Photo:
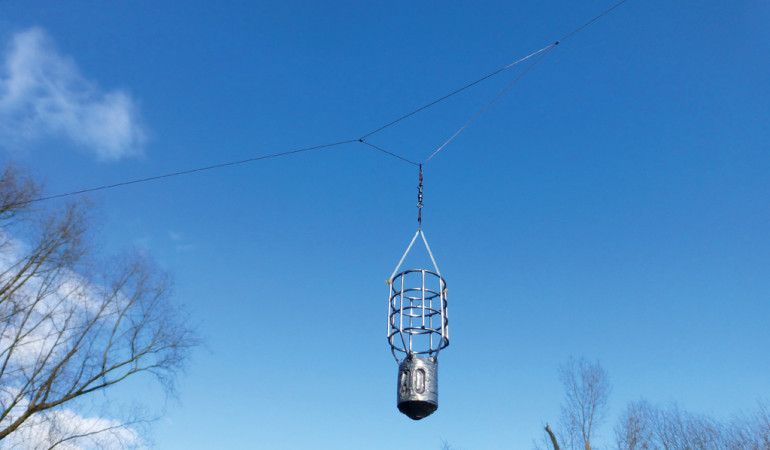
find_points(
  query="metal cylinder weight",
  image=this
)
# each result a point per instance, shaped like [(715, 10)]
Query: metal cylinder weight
[(418, 386)]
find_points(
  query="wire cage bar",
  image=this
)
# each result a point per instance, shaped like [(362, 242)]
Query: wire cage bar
[(417, 318), (418, 328)]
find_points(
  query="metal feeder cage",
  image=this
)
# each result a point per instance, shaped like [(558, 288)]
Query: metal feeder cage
[(418, 328)]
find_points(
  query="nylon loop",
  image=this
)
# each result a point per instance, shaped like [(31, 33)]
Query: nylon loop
[(425, 241)]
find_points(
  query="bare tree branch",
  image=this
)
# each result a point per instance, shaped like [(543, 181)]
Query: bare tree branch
[(65, 334), (587, 389), (586, 392), (645, 427), (552, 437)]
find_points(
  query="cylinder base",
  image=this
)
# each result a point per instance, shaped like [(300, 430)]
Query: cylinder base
[(418, 386)]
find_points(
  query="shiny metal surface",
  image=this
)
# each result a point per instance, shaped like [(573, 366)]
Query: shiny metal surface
[(417, 317), (418, 328), (418, 386)]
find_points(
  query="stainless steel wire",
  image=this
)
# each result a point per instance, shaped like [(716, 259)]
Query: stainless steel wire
[(417, 319)]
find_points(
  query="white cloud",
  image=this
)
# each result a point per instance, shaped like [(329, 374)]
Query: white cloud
[(43, 94), (61, 428)]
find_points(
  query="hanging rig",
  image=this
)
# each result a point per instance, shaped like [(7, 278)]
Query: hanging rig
[(418, 328)]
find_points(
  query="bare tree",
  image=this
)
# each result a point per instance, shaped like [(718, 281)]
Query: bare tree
[(71, 325), (445, 445), (586, 389), (634, 430), (647, 427)]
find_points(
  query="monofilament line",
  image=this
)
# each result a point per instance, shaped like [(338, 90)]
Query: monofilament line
[(542, 52), (500, 94), (184, 172), (387, 152), (502, 69)]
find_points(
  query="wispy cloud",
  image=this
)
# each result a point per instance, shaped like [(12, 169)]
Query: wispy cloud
[(179, 241), (67, 430), (43, 94)]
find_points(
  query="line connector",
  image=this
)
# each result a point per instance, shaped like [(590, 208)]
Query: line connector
[(419, 200)]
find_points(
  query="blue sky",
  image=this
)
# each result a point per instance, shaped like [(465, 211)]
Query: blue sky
[(613, 204)]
